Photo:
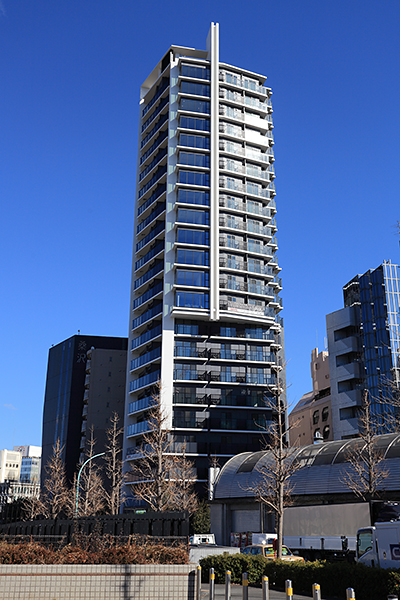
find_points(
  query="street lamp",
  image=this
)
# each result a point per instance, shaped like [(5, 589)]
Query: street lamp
[(77, 481)]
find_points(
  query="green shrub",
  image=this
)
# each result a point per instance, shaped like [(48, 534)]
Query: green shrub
[(334, 578)]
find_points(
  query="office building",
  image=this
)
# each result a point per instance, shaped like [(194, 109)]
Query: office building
[(30, 463), (205, 277), (10, 465), (364, 349), (85, 385), (311, 419)]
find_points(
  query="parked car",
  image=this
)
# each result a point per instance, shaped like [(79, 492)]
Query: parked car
[(268, 551)]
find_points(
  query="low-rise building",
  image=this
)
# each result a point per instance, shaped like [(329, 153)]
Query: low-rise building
[(10, 465), (311, 418), (30, 463)]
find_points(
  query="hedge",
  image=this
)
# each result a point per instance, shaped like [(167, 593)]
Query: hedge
[(33, 553), (334, 578)]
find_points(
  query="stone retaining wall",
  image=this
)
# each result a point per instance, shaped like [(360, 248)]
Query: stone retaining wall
[(97, 582)]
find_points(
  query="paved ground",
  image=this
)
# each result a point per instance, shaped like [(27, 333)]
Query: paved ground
[(254, 593)]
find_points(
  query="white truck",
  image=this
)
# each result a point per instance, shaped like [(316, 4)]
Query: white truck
[(202, 545), (379, 546)]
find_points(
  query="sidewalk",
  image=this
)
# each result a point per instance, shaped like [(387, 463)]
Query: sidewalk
[(254, 593)]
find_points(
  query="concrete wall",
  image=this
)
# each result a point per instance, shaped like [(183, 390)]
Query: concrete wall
[(97, 582)]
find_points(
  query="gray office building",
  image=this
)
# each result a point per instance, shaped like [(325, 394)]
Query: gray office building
[(364, 348)]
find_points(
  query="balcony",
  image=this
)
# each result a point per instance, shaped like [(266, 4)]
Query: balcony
[(149, 275), (159, 209), (247, 309), (233, 203), (146, 337), (158, 248), (236, 265), (155, 114), (142, 404), (245, 170), (158, 157), (235, 132), (144, 381), (238, 98), (146, 316), (184, 352), (158, 228), (239, 81), (136, 428), (163, 119), (151, 293), (159, 92), (159, 139), (190, 399), (190, 423), (190, 375), (146, 358), (249, 226)]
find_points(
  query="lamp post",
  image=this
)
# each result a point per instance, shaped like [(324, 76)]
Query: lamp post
[(79, 476)]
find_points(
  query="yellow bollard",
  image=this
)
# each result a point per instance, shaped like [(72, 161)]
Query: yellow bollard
[(288, 589), (228, 585), (198, 589), (316, 591), (265, 588), (245, 588), (212, 584), (350, 594)]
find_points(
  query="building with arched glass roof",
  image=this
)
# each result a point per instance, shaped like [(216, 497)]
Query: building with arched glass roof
[(318, 486)]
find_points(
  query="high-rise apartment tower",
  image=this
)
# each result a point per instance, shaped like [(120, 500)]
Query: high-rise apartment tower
[(205, 278)]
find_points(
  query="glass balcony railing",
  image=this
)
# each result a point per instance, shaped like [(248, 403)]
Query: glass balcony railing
[(160, 208), (244, 83), (136, 428), (145, 358), (160, 138), (146, 316), (144, 380), (157, 229), (146, 337), (153, 291), (159, 173), (246, 308), (189, 423), (160, 154), (185, 352), (149, 275), (159, 91), (154, 130), (141, 404), (149, 255), (155, 113), (190, 375)]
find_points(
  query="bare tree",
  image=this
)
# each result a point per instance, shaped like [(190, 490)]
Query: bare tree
[(367, 471), (162, 477), (113, 462), (32, 507), (91, 495), (152, 473), (55, 490), (183, 478), (273, 488)]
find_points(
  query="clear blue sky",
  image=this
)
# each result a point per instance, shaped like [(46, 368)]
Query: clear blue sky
[(70, 74)]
